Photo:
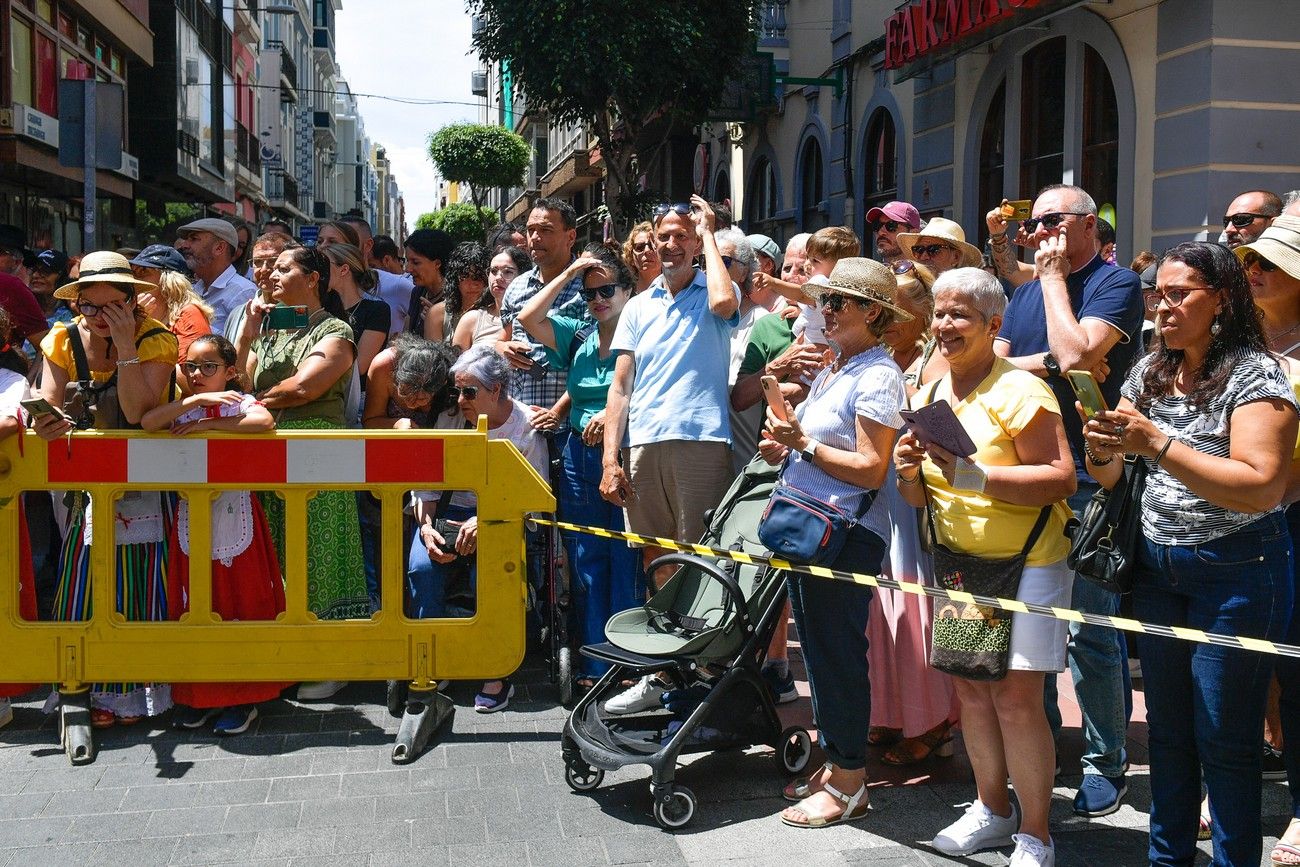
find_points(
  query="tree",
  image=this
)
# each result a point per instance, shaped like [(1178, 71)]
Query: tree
[(480, 156), (425, 220), (463, 221), (632, 71)]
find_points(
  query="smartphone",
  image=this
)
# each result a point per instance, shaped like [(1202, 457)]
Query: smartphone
[(39, 406), (538, 369), (776, 400), (1020, 209), (1088, 392), (283, 316)]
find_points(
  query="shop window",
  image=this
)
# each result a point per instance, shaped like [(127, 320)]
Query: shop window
[(47, 76), (1100, 175), (881, 170), (20, 54), (762, 201), (812, 187), (1042, 116), (993, 156)]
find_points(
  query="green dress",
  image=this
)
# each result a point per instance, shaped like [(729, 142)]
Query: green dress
[(336, 580)]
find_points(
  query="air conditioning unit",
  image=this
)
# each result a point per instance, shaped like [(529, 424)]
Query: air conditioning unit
[(478, 84)]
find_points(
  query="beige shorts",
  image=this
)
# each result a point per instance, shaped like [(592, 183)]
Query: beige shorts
[(675, 482)]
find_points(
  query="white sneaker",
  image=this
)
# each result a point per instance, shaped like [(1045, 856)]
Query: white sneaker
[(643, 695), (1032, 852), (6, 712), (977, 829), (320, 690)]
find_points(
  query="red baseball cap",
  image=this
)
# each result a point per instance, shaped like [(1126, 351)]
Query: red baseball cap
[(899, 212)]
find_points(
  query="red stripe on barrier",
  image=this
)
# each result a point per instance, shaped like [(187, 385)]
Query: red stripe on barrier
[(85, 460), (232, 462), (399, 460)]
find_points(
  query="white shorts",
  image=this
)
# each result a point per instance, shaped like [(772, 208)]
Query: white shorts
[(1037, 642)]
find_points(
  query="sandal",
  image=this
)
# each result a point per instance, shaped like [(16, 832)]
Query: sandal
[(855, 807), (1287, 854), (129, 720), (1204, 824), (883, 736), (102, 719), (937, 741), (799, 789)]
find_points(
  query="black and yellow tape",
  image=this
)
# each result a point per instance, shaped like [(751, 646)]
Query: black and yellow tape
[(1124, 623)]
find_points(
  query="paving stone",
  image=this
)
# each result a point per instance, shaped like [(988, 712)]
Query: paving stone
[(159, 797), (136, 853), (376, 837), (120, 826), (304, 788), (443, 779), (294, 843), (215, 848), (376, 783), (582, 852), (449, 832), (641, 846), (189, 820), (53, 856), (411, 805), (473, 802), (340, 811), (258, 767), (23, 806), (489, 855), (262, 817), (84, 803), (233, 792), (425, 856)]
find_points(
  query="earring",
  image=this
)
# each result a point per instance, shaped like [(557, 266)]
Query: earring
[(1215, 328)]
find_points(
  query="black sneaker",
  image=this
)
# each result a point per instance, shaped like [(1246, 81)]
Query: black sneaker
[(783, 689), (1274, 768)]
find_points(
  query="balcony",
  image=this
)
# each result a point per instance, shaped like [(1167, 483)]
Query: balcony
[(772, 24), (288, 72), (248, 150), (323, 43), (290, 187), (323, 122)]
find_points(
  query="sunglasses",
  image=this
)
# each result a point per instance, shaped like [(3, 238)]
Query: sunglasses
[(891, 225), (408, 392), (726, 261), (903, 266), (1243, 219), (1048, 221), (265, 263), (1173, 297), (207, 368), (469, 392), (589, 293), (836, 302), (642, 246), (662, 210), (930, 250), (1251, 259)]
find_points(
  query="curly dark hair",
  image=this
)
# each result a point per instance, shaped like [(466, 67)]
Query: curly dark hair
[(611, 258), (1239, 328), (469, 261)]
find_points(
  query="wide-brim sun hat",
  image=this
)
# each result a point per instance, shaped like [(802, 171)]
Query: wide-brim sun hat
[(102, 267), (866, 279), (1279, 244), (942, 229)]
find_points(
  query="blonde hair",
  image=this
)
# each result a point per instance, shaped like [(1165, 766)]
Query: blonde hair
[(350, 257), (915, 285), (834, 242), (643, 227), (177, 293)]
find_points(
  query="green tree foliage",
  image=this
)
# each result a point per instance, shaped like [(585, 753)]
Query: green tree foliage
[(633, 72), (425, 220), (480, 156), (462, 220)]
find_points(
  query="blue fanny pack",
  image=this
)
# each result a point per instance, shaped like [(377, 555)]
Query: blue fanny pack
[(804, 529)]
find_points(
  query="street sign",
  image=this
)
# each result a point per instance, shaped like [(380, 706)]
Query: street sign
[(308, 235), (107, 123)]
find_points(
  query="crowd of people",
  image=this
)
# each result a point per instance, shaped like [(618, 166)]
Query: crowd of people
[(639, 378)]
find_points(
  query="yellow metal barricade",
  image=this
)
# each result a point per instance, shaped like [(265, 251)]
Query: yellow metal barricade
[(296, 647)]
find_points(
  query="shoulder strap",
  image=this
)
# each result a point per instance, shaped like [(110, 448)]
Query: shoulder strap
[(139, 341), (78, 352), (579, 338), (1043, 515)]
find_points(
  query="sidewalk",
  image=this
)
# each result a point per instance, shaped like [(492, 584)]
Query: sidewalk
[(314, 785)]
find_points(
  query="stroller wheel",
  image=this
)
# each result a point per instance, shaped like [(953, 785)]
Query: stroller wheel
[(794, 750), (676, 810), (581, 776), (565, 665)]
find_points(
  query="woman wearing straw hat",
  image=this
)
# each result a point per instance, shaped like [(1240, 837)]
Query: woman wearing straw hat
[(1273, 267), (121, 362), (940, 246), (836, 449)]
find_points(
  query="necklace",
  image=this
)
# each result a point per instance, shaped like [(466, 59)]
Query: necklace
[(1280, 334)]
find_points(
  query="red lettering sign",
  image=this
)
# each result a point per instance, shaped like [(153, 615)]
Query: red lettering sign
[(928, 25)]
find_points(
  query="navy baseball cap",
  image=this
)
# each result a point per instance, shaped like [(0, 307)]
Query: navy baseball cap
[(162, 258), (54, 261)]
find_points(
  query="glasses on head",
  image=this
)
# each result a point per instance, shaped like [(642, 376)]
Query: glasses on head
[(930, 250), (1173, 297), (589, 293), (1048, 221), (891, 225), (642, 246), (207, 368), (1251, 259), (469, 392), (662, 210), (1244, 219)]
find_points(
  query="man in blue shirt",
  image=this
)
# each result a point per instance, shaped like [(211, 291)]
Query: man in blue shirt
[(1081, 313)]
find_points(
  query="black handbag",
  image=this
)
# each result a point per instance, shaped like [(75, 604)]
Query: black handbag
[(1105, 542), (966, 639)]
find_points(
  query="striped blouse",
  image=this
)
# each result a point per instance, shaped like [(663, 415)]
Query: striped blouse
[(1172, 514)]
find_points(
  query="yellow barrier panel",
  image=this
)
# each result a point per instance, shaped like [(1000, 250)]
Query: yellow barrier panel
[(202, 648)]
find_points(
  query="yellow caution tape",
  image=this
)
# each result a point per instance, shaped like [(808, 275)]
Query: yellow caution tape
[(1123, 623)]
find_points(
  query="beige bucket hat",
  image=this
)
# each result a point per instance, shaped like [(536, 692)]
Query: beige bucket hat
[(942, 229), (103, 267), (866, 279), (1279, 244)]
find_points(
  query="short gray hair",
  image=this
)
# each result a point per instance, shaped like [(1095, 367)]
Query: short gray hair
[(1290, 199), (978, 286), (1079, 195), (744, 250), (798, 243), (485, 364)]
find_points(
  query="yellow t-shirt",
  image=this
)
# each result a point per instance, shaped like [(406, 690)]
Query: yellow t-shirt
[(993, 414), (160, 346)]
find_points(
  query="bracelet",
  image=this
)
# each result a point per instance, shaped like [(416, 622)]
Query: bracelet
[(915, 480), (123, 362), (1096, 461), (1160, 454), (998, 240)]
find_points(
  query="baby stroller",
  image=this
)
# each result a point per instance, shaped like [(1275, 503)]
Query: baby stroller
[(708, 628)]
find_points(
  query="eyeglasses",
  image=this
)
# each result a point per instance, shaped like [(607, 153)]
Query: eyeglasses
[(680, 208), (91, 311), (1173, 297), (5, 251), (207, 368), (642, 246), (835, 301), (589, 293), (265, 263), (891, 225), (930, 250), (727, 261), (1049, 221), (1251, 259), (469, 392), (1243, 219)]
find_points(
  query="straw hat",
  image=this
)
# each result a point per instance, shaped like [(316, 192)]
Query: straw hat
[(866, 279), (1279, 244), (941, 229), (103, 267)]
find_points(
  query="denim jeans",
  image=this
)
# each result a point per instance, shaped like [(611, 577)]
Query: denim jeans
[(426, 581), (1098, 661), (1205, 704), (603, 571), (368, 515), (831, 617), (1288, 678)]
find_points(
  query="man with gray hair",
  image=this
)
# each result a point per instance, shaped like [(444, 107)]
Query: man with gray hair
[(1081, 313), (745, 425), (209, 246), (1291, 204)]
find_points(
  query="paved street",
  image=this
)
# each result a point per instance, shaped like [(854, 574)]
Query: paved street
[(314, 785)]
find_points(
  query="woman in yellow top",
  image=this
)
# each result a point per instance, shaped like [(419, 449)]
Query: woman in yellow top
[(987, 506), (127, 364)]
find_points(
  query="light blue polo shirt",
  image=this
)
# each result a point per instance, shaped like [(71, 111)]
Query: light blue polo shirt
[(682, 352)]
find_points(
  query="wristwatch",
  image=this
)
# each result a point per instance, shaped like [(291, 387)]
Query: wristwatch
[(808, 451), (1052, 366)]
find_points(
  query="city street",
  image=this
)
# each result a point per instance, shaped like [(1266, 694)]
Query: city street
[(314, 785)]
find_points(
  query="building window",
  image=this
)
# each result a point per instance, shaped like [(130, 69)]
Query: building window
[(993, 155), (881, 175), (722, 187), (20, 54), (47, 76), (1100, 175), (812, 187), (761, 211), (1042, 116)]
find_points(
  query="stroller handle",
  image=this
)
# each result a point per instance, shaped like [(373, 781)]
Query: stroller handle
[(735, 597)]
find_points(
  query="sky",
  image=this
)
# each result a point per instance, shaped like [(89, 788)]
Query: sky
[(416, 49)]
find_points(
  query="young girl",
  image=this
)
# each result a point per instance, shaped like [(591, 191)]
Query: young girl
[(246, 582)]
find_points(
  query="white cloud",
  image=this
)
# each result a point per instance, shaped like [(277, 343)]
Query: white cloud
[(412, 49)]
